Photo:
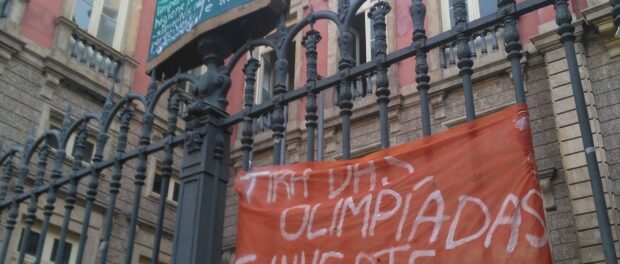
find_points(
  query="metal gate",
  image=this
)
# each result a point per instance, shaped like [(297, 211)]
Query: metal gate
[(206, 137)]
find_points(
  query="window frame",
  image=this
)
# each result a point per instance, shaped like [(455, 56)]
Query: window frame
[(365, 8), (263, 123), (473, 13), (153, 170), (97, 12), (48, 245), (262, 52), (364, 86)]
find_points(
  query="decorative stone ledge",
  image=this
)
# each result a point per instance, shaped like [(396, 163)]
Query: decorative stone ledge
[(9, 43), (550, 40), (544, 177)]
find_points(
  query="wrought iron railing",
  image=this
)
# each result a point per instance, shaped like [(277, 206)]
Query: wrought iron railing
[(204, 175)]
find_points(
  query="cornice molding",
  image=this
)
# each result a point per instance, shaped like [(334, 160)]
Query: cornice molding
[(599, 17), (550, 40), (9, 43)]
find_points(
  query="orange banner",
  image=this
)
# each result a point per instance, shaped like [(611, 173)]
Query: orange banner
[(466, 195)]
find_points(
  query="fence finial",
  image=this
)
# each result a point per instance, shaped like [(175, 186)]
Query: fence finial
[(150, 92), (108, 105), (23, 170), (31, 135), (343, 9), (418, 14), (513, 45), (66, 123), (460, 15), (110, 97)]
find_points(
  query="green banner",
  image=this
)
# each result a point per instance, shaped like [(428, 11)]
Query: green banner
[(174, 18)]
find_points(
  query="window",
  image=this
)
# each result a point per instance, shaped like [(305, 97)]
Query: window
[(266, 74), (104, 19), (33, 241), (67, 251), (173, 187), (55, 122), (475, 9), (363, 32), (265, 80), (196, 72), (50, 247)]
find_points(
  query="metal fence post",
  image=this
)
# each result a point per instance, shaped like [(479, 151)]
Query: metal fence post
[(464, 54), (204, 175), (615, 14), (418, 14), (513, 45), (377, 15)]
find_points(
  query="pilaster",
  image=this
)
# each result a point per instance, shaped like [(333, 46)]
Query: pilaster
[(570, 142)]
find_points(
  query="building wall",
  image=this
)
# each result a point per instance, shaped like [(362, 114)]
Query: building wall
[(141, 79), (38, 22)]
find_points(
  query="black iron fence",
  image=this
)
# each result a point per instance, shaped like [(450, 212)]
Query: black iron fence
[(206, 137)]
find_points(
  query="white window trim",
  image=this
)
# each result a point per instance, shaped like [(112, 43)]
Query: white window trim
[(357, 43), (473, 12), (174, 178), (262, 50), (258, 95), (47, 245), (365, 8), (121, 20)]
